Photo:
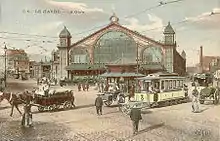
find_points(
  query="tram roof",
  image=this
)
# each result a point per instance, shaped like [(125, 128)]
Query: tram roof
[(160, 77)]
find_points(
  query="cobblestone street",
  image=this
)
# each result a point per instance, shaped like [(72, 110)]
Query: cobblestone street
[(172, 123)]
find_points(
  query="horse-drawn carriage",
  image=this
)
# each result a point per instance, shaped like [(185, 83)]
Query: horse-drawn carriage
[(110, 97), (208, 92), (113, 94), (54, 100)]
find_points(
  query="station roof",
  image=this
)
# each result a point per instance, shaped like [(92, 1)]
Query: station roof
[(84, 66)]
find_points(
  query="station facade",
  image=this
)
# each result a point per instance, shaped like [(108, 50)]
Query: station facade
[(116, 44)]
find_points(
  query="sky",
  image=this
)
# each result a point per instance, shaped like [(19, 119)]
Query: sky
[(28, 17)]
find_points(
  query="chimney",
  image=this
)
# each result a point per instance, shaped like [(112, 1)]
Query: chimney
[(201, 58)]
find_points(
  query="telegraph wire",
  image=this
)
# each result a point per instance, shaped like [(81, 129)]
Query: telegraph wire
[(180, 22), (44, 41), (161, 3), (45, 36), (184, 21)]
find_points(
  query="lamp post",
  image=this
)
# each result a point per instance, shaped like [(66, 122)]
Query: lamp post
[(5, 75)]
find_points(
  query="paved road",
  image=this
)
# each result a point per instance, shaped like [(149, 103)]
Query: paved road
[(173, 123)]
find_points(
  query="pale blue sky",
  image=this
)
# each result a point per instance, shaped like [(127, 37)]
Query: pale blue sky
[(203, 31)]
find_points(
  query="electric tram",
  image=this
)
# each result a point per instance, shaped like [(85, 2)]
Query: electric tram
[(161, 89)]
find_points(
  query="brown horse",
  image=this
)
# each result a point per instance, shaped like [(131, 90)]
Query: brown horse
[(16, 99)]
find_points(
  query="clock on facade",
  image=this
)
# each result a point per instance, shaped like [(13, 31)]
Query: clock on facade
[(63, 42)]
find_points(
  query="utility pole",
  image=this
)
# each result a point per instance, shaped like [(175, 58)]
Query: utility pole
[(137, 58), (5, 75), (201, 59)]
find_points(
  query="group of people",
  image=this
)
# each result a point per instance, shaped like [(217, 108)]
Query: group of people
[(135, 114), (83, 86)]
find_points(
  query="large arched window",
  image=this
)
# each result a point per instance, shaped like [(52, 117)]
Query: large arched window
[(114, 45), (152, 54), (78, 55)]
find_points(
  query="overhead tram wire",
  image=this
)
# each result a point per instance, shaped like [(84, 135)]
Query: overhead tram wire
[(183, 21), (45, 36), (180, 22), (12, 38), (161, 3)]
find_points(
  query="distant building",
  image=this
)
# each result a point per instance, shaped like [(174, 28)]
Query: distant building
[(209, 62), (18, 61), (90, 55), (42, 69)]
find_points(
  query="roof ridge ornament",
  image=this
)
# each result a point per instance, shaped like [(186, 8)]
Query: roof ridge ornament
[(114, 18)]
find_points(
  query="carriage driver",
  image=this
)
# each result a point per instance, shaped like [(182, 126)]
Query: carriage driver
[(195, 99), (27, 116)]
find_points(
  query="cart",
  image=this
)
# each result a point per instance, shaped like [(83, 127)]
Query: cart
[(53, 101)]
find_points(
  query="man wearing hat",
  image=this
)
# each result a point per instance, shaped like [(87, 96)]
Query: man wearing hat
[(135, 116), (99, 104), (195, 99)]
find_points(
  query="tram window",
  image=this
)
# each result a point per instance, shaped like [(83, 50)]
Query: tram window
[(166, 85), (170, 84), (174, 84), (162, 85), (178, 84), (181, 83)]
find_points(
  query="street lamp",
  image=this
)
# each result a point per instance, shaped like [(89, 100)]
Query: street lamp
[(5, 49)]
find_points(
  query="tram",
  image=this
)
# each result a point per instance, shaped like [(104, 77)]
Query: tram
[(161, 89)]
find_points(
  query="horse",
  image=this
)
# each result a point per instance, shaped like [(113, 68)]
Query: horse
[(16, 99)]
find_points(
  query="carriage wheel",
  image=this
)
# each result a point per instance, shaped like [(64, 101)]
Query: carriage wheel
[(167, 103), (50, 108), (40, 108), (67, 105), (201, 101), (54, 107), (108, 102), (57, 106), (125, 109), (174, 102)]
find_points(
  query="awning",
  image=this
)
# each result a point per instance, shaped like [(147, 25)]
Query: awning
[(155, 66), (117, 74), (85, 67)]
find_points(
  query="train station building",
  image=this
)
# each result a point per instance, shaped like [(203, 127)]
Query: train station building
[(118, 46)]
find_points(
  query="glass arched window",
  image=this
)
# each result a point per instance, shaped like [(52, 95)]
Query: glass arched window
[(113, 46), (78, 55), (152, 54)]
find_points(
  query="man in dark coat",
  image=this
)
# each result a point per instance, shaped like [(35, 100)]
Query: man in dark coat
[(27, 116), (99, 104), (135, 116)]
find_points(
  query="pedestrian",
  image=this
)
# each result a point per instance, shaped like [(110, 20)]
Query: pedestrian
[(87, 86), (38, 81), (121, 100), (79, 87), (135, 116), (84, 86), (99, 86), (131, 92), (27, 116), (195, 100), (99, 104), (102, 87)]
